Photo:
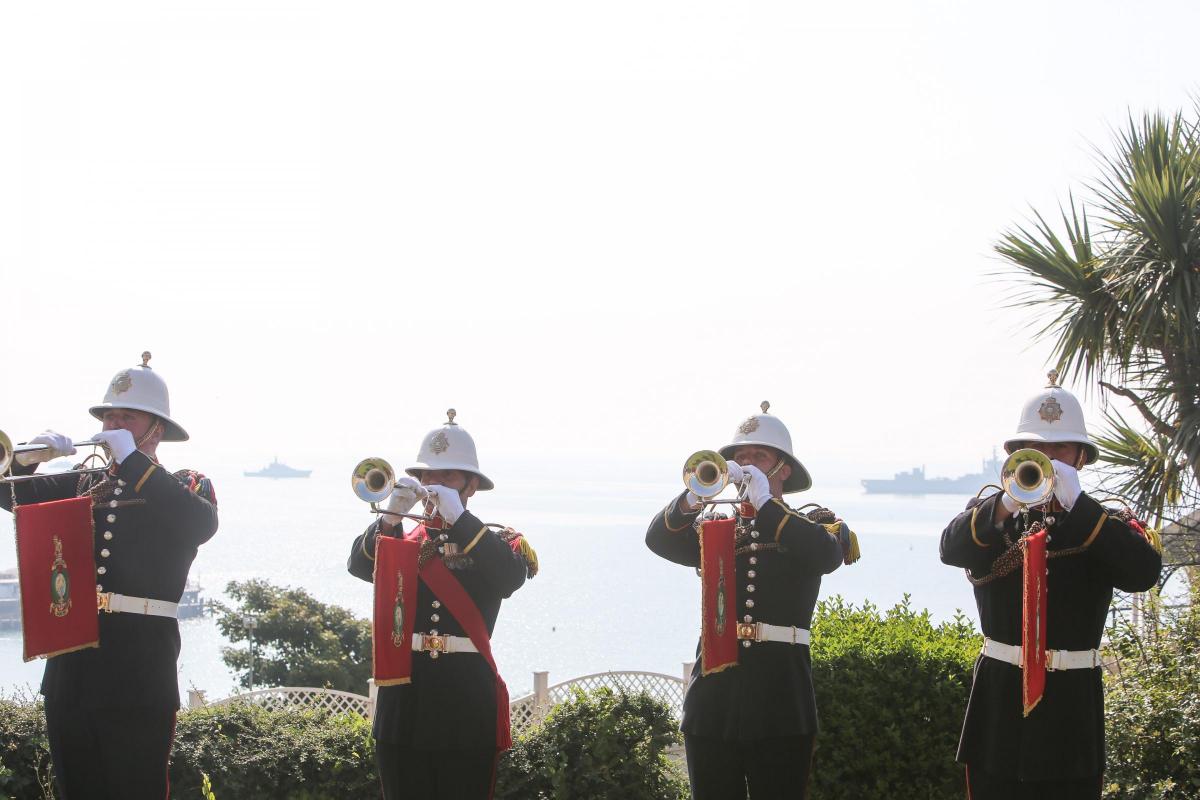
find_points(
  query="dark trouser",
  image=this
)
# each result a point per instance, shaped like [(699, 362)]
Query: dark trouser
[(114, 753), (770, 768), (986, 786), (407, 774)]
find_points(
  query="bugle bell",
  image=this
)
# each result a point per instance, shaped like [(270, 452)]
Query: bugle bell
[(706, 473), (1027, 476)]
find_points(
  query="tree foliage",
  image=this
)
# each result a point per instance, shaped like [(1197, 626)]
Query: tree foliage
[(1119, 291), (1152, 709), (300, 641)]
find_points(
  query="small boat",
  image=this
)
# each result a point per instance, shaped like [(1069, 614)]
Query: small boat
[(277, 469)]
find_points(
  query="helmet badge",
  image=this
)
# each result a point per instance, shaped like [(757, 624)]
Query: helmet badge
[(439, 443), (1050, 410), (749, 426), (122, 383)]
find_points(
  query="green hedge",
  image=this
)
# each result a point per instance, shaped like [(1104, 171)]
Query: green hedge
[(599, 746), (1152, 706), (24, 750), (293, 754), (891, 690)]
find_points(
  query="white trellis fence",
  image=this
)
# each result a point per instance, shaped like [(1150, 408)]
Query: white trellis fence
[(524, 711)]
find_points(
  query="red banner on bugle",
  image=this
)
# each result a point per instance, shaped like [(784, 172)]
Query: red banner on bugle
[(56, 565), (395, 609), (718, 604), (1033, 622)]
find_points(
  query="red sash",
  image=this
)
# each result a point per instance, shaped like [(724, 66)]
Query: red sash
[(718, 601), (450, 593), (1033, 621), (56, 565)]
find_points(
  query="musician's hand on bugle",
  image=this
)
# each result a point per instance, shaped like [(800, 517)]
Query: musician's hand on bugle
[(1066, 484), (118, 441), (758, 486), (447, 501), (403, 497), (56, 444)]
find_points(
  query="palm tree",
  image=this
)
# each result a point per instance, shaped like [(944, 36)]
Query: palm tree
[(1119, 293)]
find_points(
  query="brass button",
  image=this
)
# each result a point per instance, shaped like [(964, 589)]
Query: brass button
[(111, 518), (749, 603), (104, 553), (101, 570), (108, 536)]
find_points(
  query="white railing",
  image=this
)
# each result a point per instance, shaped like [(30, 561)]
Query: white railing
[(525, 712)]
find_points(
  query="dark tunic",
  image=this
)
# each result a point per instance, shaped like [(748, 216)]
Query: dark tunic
[(770, 692), (1063, 737), (156, 526), (451, 702)]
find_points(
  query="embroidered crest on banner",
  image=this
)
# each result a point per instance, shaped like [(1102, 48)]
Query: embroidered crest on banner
[(749, 426), (1050, 410), (721, 597), (60, 583), (439, 443), (398, 613), (122, 383)]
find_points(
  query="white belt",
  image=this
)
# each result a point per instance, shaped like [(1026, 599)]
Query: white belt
[(1055, 659), (436, 645), (110, 602), (762, 632)]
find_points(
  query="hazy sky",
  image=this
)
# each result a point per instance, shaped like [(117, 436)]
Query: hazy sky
[(600, 231)]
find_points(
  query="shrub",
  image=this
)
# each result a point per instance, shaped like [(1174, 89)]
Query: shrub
[(24, 750), (1152, 707), (602, 746), (295, 753), (892, 690)]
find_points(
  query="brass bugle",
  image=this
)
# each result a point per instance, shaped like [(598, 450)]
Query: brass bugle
[(706, 473), (373, 480), (10, 452), (1027, 476)]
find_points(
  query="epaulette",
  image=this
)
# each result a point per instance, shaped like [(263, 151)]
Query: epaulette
[(520, 545), (197, 483), (1138, 526), (838, 529)]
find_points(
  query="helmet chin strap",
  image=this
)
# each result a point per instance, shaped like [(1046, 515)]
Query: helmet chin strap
[(775, 469), (145, 437)]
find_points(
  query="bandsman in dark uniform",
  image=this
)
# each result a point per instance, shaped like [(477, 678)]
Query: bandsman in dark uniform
[(749, 723), (1034, 726), (110, 710), (436, 734)]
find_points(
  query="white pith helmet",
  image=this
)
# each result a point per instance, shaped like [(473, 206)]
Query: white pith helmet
[(449, 447), (1053, 415), (141, 389), (767, 430)]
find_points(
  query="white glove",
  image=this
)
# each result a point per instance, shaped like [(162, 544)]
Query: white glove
[(1066, 484), (758, 489), (693, 501), (57, 446), (449, 505), (735, 471), (404, 495), (1010, 505), (119, 441)]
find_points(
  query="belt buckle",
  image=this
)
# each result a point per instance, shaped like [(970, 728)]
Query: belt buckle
[(434, 645), (748, 630), (1051, 658), (104, 602)]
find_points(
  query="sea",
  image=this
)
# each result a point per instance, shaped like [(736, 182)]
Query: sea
[(601, 600)]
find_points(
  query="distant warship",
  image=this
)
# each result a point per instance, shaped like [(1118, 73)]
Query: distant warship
[(277, 470), (915, 482)]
